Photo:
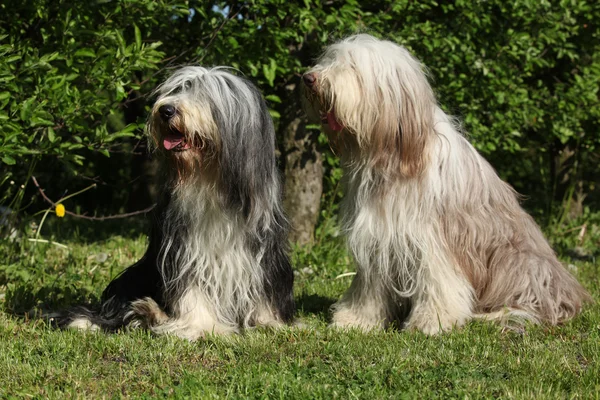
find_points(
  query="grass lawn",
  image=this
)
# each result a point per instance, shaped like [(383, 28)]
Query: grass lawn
[(480, 360)]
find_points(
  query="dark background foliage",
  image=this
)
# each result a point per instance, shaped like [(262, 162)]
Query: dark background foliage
[(76, 81)]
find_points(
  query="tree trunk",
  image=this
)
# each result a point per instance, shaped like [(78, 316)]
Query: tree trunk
[(303, 174), (569, 189)]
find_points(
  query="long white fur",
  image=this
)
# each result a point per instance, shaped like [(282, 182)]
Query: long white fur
[(397, 245), (217, 280), (221, 277), (401, 223), (212, 242)]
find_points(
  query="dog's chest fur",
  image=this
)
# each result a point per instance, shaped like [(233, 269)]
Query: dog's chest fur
[(386, 228), (206, 245)]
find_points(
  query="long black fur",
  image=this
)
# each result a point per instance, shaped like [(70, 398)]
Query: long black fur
[(247, 166)]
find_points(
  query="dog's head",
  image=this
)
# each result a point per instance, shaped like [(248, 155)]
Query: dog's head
[(210, 125), (182, 127), (375, 94)]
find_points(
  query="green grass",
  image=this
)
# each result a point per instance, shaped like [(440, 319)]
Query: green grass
[(480, 360)]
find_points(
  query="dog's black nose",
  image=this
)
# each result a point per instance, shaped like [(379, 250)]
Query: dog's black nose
[(166, 111), (309, 79)]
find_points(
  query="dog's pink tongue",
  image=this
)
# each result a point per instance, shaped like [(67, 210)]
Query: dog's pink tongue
[(333, 122), (172, 141)]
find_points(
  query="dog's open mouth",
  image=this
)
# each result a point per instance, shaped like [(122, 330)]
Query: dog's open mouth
[(327, 111), (330, 119), (175, 141)]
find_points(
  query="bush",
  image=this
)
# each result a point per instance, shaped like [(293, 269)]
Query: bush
[(67, 70), (522, 76)]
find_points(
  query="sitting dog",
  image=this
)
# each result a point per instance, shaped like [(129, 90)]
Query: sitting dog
[(438, 238), (217, 260)]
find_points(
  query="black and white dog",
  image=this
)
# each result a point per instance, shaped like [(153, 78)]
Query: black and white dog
[(217, 260)]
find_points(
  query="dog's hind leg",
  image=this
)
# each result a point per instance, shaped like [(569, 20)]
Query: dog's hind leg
[(531, 286), (136, 282)]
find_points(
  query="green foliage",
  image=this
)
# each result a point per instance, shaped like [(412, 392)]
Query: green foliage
[(64, 71), (523, 77), (274, 41)]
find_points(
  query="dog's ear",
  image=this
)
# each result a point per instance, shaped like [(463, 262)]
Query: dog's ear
[(150, 130), (247, 158), (400, 138), (415, 128)]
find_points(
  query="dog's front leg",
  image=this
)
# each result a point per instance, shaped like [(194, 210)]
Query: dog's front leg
[(364, 305), (444, 297), (193, 317)]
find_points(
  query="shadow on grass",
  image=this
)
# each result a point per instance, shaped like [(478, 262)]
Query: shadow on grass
[(25, 301), (73, 229), (316, 305)]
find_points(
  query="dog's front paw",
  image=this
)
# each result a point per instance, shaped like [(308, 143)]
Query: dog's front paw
[(350, 319), (146, 313), (433, 324)]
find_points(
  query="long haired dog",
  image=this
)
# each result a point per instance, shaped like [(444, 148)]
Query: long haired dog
[(217, 260), (437, 237)]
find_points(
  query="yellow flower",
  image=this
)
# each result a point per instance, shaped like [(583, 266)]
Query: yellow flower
[(60, 210)]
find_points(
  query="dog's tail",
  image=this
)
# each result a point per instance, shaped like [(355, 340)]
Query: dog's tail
[(510, 318), (88, 319), (139, 281)]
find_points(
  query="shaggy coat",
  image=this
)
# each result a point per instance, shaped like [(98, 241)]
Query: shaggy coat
[(217, 260), (438, 238)]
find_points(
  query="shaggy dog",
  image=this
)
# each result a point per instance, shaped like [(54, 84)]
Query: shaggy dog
[(217, 260), (437, 237)]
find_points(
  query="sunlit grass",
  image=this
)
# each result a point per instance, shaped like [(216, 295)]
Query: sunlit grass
[(479, 361)]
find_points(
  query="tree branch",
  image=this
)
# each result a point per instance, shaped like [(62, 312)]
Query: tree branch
[(104, 218)]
